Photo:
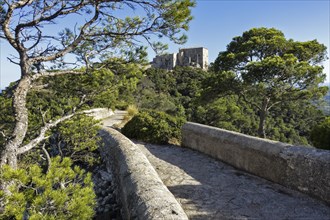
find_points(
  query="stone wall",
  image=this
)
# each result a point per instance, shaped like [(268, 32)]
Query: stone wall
[(166, 61), (301, 168), (143, 195), (197, 57)]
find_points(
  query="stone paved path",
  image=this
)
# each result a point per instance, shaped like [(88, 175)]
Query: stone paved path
[(115, 119), (209, 189)]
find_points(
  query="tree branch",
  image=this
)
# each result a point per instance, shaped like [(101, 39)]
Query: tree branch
[(42, 136), (38, 39), (43, 114), (47, 156), (5, 26), (55, 73), (272, 105), (73, 44), (12, 61), (3, 134)]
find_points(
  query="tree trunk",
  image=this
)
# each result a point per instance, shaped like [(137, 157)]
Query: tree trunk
[(9, 154), (262, 118)]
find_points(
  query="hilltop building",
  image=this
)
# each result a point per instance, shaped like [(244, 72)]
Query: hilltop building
[(196, 57)]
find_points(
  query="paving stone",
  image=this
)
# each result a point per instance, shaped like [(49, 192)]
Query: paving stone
[(209, 189)]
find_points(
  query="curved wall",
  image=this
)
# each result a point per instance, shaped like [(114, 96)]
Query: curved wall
[(143, 194)]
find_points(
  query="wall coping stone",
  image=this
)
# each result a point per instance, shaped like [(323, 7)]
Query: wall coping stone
[(143, 195), (302, 168)]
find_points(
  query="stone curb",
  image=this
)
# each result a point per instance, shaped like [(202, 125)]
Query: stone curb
[(301, 168), (143, 194)]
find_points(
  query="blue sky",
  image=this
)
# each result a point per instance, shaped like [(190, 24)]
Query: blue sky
[(216, 22)]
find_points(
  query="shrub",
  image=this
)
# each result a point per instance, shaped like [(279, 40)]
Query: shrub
[(121, 105), (320, 135), (76, 138), (154, 127), (62, 192)]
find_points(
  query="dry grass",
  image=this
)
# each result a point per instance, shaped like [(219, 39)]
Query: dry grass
[(132, 110)]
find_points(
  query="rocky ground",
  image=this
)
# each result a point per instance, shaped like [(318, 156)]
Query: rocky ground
[(107, 206)]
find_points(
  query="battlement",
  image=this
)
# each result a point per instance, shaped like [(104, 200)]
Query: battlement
[(195, 57)]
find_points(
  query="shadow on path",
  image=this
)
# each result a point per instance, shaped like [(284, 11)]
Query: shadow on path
[(210, 189), (116, 119)]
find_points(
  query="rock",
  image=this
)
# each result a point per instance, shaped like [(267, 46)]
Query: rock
[(104, 188), (106, 198), (105, 176), (107, 207)]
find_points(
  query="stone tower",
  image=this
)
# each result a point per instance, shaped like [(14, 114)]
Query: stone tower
[(196, 57)]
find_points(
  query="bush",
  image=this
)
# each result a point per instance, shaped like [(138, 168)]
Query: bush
[(121, 105), (76, 138), (320, 135), (62, 192), (154, 127)]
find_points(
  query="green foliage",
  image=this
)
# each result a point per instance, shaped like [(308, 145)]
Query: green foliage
[(6, 117), (154, 91), (289, 122), (214, 99), (227, 113), (60, 193), (177, 15), (126, 78), (154, 127), (77, 139), (188, 86), (172, 92), (54, 97), (320, 135), (149, 99), (57, 96), (96, 88), (265, 69), (292, 122)]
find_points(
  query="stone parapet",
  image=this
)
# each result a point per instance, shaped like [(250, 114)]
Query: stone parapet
[(301, 168), (143, 194)]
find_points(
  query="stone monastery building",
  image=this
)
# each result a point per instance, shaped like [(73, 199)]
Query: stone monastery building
[(196, 57)]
